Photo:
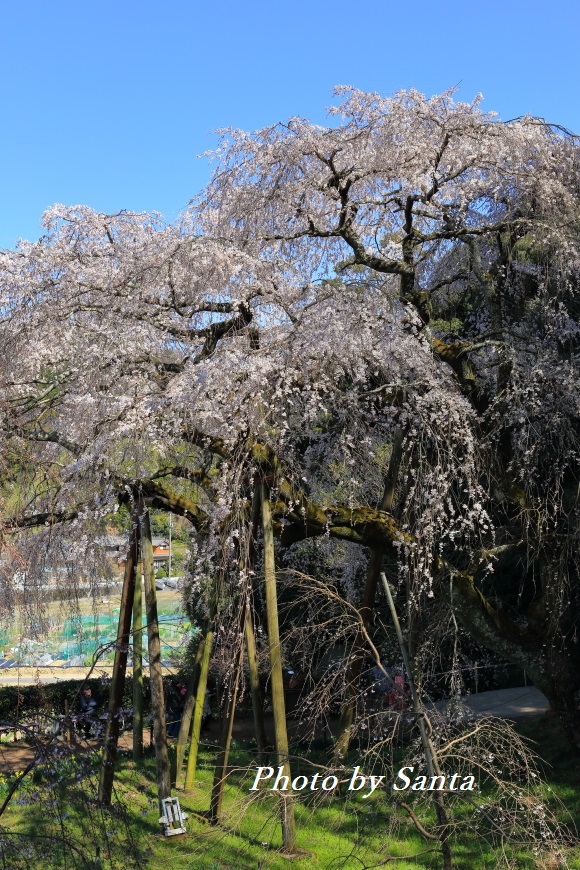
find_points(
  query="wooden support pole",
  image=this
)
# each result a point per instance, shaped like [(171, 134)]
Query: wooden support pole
[(276, 679), (155, 671), (109, 752), (138, 669), (185, 726), (221, 768), (249, 633), (199, 702), (255, 688)]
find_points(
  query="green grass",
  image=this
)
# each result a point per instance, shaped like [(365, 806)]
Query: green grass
[(343, 831)]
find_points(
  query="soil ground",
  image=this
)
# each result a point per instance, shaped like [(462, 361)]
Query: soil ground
[(16, 756)]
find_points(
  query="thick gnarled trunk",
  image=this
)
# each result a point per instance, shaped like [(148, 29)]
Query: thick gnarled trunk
[(347, 712), (553, 666)]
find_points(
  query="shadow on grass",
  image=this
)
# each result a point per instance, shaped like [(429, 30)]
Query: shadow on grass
[(342, 832)]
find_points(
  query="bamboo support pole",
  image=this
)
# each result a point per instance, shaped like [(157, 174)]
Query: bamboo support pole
[(221, 768), (276, 679), (199, 702), (155, 669), (109, 752), (138, 669), (185, 726), (255, 688)]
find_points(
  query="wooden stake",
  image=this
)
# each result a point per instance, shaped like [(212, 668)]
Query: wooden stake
[(255, 688), (138, 670), (185, 726), (221, 768), (199, 702), (109, 752), (276, 679), (155, 671)]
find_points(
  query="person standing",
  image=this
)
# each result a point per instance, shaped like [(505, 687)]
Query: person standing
[(88, 706)]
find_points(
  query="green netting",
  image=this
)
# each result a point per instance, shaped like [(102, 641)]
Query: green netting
[(69, 650), (83, 635)]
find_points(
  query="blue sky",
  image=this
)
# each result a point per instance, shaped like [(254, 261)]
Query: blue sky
[(107, 104)]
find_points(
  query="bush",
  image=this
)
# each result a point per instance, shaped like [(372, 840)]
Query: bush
[(53, 697)]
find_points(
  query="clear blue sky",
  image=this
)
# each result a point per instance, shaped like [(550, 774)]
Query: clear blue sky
[(108, 103)]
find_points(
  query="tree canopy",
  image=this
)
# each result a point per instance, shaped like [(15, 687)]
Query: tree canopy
[(409, 272)]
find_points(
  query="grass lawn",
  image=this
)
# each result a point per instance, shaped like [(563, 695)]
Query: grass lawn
[(57, 804)]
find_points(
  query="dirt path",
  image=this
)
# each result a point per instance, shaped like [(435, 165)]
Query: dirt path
[(16, 756), (509, 703)]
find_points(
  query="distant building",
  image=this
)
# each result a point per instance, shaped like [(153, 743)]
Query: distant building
[(160, 551), (116, 550)]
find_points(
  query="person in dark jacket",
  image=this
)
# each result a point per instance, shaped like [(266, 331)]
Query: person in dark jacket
[(88, 706), (175, 704)]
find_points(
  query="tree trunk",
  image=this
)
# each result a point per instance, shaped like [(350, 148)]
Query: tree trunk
[(156, 675), (109, 753), (554, 667), (563, 692), (367, 606), (138, 670), (276, 679)]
